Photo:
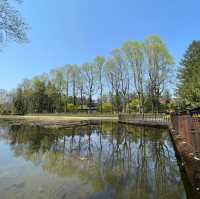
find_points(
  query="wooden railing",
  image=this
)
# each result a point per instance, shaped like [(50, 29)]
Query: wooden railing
[(187, 125)]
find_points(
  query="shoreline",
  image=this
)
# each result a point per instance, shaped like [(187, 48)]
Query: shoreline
[(55, 121)]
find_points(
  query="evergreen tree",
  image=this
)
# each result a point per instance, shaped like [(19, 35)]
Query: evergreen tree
[(189, 76), (39, 96)]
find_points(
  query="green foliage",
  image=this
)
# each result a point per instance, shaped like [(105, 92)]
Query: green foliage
[(172, 105), (106, 107), (133, 78), (19, 102), (5, 110), (159, 68), (72, 107), (39, 96), (133, 105), (189, 76)]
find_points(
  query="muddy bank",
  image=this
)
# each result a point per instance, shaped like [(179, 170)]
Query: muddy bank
[(54, 121)]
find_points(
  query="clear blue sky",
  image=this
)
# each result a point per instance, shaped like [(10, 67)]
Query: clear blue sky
[(75, 31)]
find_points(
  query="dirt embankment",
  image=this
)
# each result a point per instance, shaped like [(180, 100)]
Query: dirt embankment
[(55, 121)]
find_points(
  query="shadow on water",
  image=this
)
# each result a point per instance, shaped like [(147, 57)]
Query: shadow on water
[(114, 160)]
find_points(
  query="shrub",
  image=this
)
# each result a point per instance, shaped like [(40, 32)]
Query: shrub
[(133, 105), (107, 107), (71, 107)]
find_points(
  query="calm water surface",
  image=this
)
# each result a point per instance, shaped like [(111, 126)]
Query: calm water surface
[(105, 161)]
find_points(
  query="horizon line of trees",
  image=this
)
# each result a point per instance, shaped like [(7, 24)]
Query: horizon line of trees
[(134, 77)]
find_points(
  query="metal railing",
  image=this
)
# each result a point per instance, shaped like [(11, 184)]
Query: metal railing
[(159, 119)]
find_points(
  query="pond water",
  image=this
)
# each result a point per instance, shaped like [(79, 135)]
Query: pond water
[(109, 160)]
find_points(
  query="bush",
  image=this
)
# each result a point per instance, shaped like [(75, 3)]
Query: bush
[(107, 107), (71, 107), (133, 105)]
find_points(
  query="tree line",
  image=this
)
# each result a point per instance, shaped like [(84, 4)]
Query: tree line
[(134, 77)]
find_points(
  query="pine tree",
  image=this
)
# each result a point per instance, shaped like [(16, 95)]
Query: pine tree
[(189, 76)]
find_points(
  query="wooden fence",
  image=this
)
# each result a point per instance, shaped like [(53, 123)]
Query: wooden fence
[(187, 125)]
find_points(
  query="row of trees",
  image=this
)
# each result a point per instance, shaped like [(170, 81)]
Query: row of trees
[(136, 73)]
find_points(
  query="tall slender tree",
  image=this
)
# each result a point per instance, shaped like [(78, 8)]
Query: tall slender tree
[(58, 80), (134, 52), (99, 63), (89, 75), (73, 73), (80, 85), (122, 76), (113, 77), (159, 66)]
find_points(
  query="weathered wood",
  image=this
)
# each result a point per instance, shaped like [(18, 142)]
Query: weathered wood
[(185, 133)]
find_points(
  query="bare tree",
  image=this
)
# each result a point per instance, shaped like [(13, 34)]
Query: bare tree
[(89, 75), (72, 74), (12, 25), (80, 85), (99, 63)]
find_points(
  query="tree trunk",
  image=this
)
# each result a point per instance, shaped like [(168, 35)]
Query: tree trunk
[(81, 98), (101, 98), (67, 94), (74, 92), (90, 102)]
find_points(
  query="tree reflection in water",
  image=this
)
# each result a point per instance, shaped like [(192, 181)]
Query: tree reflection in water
[(118, 160)]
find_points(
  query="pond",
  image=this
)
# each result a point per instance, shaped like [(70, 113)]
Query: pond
[(109, 160)]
